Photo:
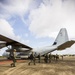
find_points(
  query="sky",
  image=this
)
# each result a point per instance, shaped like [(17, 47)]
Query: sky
[(36, 23)]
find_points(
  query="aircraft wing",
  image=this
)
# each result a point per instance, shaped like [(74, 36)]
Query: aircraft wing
[(66, 45), (5, 41)]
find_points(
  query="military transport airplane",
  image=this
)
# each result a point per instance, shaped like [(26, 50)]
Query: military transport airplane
[(60, 43)]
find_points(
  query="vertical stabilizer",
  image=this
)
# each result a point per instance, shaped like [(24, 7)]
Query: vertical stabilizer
[(62, 37)]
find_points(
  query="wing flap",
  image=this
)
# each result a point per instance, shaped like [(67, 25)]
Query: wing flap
[(66, 45)]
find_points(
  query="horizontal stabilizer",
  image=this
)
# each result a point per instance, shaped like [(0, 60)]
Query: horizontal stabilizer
[(65, 45)]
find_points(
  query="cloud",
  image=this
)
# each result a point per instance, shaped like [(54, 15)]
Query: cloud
[(7, 30), (13, 8), (52, 15), (17, 8), (46, 17)]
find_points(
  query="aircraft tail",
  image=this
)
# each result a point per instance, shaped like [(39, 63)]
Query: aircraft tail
[(62, 37)]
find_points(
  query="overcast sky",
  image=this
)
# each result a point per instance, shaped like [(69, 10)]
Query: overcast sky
[(37, 22)]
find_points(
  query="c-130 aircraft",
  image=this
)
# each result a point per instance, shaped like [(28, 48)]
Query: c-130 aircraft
[(61, 42)]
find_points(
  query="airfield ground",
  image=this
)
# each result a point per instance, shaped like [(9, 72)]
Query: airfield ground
[(65, 67)]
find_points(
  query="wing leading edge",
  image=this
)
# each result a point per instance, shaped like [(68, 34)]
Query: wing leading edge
[(9, 41)]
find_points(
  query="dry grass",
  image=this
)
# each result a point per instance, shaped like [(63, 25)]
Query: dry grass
[(65, 67)]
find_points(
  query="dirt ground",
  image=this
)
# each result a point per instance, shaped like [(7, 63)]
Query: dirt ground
[(65, 67)]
